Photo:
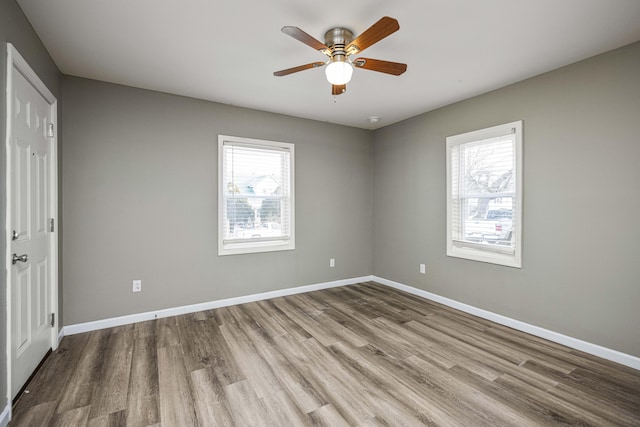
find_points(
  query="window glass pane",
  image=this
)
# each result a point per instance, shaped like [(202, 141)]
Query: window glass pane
[(484, 176), (488, 220), (488, 166)]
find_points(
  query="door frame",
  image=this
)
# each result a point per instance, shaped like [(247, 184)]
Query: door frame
[(16, 61)]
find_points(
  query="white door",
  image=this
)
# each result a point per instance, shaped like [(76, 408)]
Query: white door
[(30, 147)]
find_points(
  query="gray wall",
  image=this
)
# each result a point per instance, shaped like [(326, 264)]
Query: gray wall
[(581, 242), (140, 202), (15, 29)]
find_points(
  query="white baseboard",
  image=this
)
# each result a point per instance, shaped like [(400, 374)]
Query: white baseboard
[(587, 347), (5, 416), (175, 311)]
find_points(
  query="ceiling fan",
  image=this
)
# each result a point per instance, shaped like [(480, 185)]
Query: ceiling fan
[(339, 45)]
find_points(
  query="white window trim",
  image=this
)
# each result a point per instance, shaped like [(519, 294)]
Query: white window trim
[(511, 257), (254, 246)]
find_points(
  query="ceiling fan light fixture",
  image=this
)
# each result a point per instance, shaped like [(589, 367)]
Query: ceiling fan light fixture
[(339, 72)]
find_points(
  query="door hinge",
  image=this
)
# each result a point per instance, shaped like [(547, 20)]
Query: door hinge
[(50, 130), (53, 320), (52, 225)]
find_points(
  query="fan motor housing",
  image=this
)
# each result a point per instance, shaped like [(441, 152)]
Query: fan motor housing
[(337, 39)]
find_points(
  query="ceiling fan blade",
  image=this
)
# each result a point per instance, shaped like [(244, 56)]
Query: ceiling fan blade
[(381, 29), (338, 89), (305, 38), (395, 68), (298, 68)]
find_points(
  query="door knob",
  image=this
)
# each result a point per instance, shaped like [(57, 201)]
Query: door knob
[(21, 258)]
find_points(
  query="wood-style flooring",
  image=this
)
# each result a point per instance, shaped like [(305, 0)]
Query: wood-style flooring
[(360, 355)]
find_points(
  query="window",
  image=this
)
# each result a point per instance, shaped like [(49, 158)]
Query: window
[(484, 195), (255, 196)]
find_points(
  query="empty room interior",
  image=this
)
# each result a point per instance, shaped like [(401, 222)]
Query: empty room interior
[(284, 213)]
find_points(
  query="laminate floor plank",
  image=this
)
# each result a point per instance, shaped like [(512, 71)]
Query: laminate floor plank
[(402, 300), (441, 405), (496, 411), (260, 376), (247, 408), (37, 415), (359, 355), (176, 401), (223, 363), (606, 408), (145, 329), (80, 387), (291, 328), (74, 417), (114, 419), (196, 340), (460, 353), (142, 403), (386, 338), (293, 381), (395, 401), (342, 312), (349, 394), (530, 343), (626, 398), (211, 404), (112, 394), (474, 338), (308, 323), (327, 416), (557, 410), (167, 332), (266, 320)]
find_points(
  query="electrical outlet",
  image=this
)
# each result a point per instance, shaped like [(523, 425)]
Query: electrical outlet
[(332, 262), (423, 269), (137, 286)]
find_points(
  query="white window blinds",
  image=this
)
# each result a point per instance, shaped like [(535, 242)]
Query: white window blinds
[(256, 194)]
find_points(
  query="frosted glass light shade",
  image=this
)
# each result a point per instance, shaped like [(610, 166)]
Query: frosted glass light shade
[(339, 73)]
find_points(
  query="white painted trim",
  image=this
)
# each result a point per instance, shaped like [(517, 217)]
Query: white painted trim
[(60, 335), (5, 416), (7, 269), (175, 311), (15, 60), (587, 347), (594, 349)]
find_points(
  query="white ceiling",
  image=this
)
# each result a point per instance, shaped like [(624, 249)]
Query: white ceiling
[(226, 51)]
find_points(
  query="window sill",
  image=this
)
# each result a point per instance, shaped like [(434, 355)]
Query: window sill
[(255, 247), (485, 255)]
